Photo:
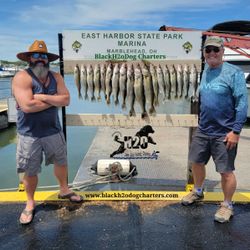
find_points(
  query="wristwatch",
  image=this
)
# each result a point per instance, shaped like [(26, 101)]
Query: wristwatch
[(235, 132)]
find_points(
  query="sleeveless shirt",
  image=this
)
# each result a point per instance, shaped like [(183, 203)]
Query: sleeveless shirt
[(42, 123)]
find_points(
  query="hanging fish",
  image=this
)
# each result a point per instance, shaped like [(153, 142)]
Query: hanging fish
[(122, 84), (155, 84), (186, 80), (115, 84), (77, 80), (97, 82), (90, 81), (167, 81), (180, 82), (194, 81), (173, 79), (160, 78), (148, 89), (84, 84), (108, 88), (139, 91), (103, 75), (130, 89)]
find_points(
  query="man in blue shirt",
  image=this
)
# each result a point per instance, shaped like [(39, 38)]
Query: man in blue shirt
[(223, 112)]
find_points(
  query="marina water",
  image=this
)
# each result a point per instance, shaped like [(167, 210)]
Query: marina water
[(79, 138)]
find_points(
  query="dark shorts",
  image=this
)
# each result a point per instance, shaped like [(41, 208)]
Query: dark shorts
[(203, 147), (30, 152)]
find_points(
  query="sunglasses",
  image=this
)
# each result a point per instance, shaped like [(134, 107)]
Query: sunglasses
[(39, 55), (210, 49)]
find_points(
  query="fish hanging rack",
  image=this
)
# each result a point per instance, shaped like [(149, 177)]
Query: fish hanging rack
[(121, 120)]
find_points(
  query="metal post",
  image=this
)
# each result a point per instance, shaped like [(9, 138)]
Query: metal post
[(194, 109), (60, 37)]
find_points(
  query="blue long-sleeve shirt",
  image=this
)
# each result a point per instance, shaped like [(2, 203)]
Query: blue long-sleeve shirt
[(223, 100)]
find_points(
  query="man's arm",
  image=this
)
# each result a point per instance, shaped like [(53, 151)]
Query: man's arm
[(62, 97), (241, 103), (22, 90)]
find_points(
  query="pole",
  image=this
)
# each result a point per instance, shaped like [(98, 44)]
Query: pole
[(194, 109), (60, 37)]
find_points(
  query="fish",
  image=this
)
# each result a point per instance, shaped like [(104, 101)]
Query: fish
[(148, 89), (122, 84), (153, 73), (84, 84), (180, 82), (186, 80), (161, 82), (130, 89), (173, 80), (103, 74), (167, 81), (139, 91), (77, 80), (194, 82), (97, 83), (108, 87), (115, 84), (90, 81)]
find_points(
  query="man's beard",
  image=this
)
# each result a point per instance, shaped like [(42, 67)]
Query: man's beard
[(40, 71)]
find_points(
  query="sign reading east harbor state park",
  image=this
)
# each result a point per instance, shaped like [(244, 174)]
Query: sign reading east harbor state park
[(131, 45)]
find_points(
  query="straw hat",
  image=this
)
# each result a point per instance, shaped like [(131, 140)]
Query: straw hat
[(37, 47)]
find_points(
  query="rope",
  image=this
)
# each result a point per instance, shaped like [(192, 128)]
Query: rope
[(80, 185)]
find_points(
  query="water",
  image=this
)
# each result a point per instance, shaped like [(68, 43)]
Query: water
[(78, 138), (78, 141)]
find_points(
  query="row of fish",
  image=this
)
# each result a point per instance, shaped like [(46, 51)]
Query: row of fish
[(144, 84)]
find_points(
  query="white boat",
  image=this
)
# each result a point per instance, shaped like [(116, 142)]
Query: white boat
[(244, 63), (6, 72), (241, 61), (238, 51)]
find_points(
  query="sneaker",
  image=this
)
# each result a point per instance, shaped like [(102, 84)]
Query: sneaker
[(191, 198), (223, 214)]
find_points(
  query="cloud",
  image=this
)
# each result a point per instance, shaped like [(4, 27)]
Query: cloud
[(88, 13), (26, 21)]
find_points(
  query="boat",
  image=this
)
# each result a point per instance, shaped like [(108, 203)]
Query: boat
[(7, 72), (238, 51), (236, 36)]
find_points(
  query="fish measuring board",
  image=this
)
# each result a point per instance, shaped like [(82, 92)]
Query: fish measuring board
[(159, 120)]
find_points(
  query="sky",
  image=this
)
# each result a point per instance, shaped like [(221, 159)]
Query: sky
[(23, 21)]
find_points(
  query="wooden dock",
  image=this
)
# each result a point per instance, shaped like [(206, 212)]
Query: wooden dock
[(3, 105), (3, 114), (166, 172)]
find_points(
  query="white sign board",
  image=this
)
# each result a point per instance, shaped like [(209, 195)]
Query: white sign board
[(131, 45), (105, 65)]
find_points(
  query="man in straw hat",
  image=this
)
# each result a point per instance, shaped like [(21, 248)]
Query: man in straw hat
[(38, 93), (223, 112)]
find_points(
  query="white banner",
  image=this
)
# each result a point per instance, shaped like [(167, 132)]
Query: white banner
[(131, 45)]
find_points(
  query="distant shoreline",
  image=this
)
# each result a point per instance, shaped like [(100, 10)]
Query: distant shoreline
[(7, 63)]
